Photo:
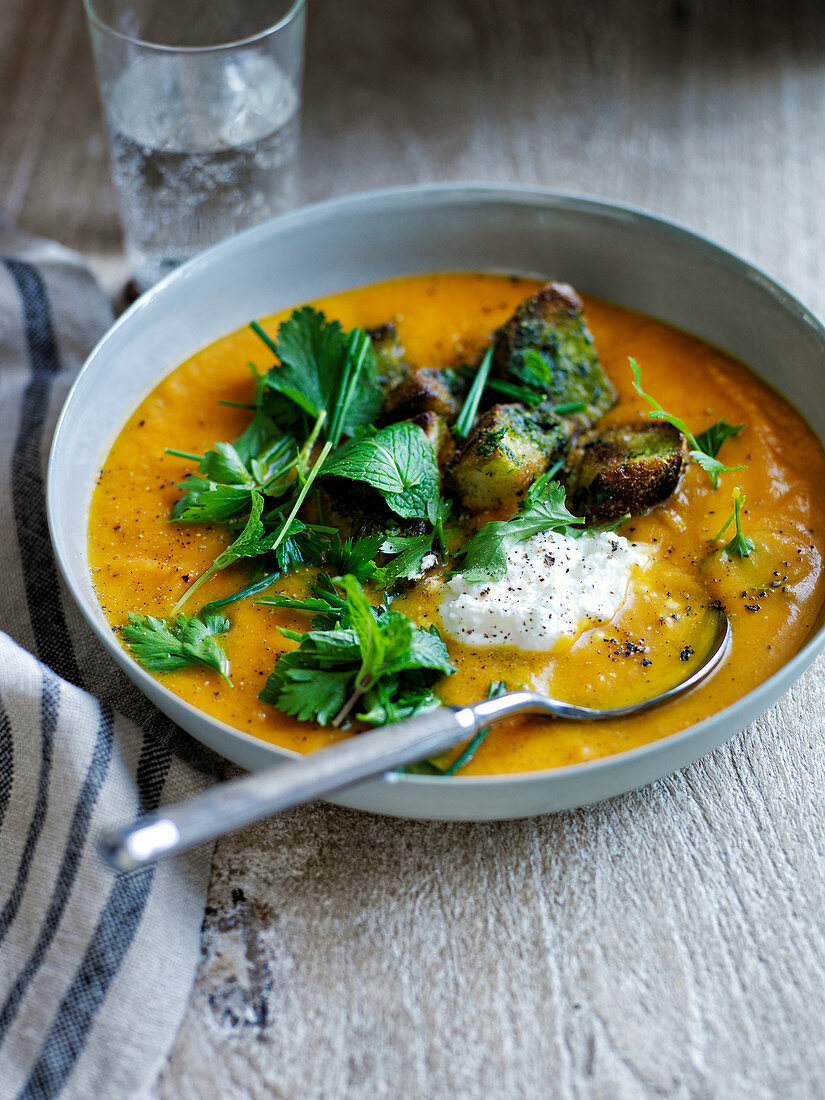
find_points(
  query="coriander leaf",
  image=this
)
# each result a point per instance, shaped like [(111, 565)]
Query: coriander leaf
[(261, 434), (740, 545), (396, 700), (544, 509), (225, 465), (316, 357), (207, 501), (712, 466), (311, 350), (711, 439), (166, 645), (426, 649), (230, 475), (306, 693), (398, 461)]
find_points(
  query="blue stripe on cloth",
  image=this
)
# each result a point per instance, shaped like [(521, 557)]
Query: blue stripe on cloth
[(49, 697), (6, 762), (51, 635), (76, 838), (107, 948)]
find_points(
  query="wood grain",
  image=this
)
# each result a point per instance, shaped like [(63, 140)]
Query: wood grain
[(667, 943)]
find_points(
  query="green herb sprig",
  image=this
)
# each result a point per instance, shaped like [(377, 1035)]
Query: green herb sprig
[(167, 645), (469, 410), (374, 665), (399, 461), (705, 446), (543, 509), (740, 545)]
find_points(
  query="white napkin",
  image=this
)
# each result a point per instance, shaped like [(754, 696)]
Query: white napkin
[(95, 970)]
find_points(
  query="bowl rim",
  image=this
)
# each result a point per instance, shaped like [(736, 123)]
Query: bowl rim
[(410, 196)]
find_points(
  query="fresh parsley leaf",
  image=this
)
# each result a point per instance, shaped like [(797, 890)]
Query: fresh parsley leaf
[(208, 502), (372, 663), (226, 466), (399, 461), (316, 357), (711, 439), (543, 509), (705, 458), (166, 645), (740, 545), (307, 692), (371, 638), (232, 472)]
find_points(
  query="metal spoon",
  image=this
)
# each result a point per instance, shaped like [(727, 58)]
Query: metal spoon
[(348, 762)]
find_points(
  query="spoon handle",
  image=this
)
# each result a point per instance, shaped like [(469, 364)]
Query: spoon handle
[(241, 801)]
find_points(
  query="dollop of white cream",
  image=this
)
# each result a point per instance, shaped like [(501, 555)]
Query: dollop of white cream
[(554, 585)]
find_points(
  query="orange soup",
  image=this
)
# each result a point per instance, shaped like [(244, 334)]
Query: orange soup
[(142, 562)]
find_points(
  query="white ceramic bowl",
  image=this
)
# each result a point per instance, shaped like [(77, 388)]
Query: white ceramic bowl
[(610, 251)]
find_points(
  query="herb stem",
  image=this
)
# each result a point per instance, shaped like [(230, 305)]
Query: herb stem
[(184, 454), (306, 450), (311, 476), (462, 426), (354, 365), (267, 339), (250, 590)]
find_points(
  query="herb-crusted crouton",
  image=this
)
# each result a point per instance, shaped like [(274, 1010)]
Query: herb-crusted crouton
[(507, 450), (390, 356), (624, 468), (547, 347), (422, 390)]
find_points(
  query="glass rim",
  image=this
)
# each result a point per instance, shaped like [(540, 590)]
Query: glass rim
[(96, 21)]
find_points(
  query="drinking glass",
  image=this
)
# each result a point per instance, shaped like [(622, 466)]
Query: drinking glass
[(202, 102)]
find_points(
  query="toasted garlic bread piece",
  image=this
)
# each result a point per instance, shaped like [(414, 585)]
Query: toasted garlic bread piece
[(624, 468)]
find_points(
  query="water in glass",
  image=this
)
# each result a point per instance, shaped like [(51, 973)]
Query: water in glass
[(199, 152)]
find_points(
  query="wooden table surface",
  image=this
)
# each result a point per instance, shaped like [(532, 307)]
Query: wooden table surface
[(670, 942)]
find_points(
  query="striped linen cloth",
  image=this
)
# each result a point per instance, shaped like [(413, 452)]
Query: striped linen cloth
[(95, 970)]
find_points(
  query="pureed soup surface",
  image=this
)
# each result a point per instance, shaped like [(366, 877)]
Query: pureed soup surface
[(142, 563)]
